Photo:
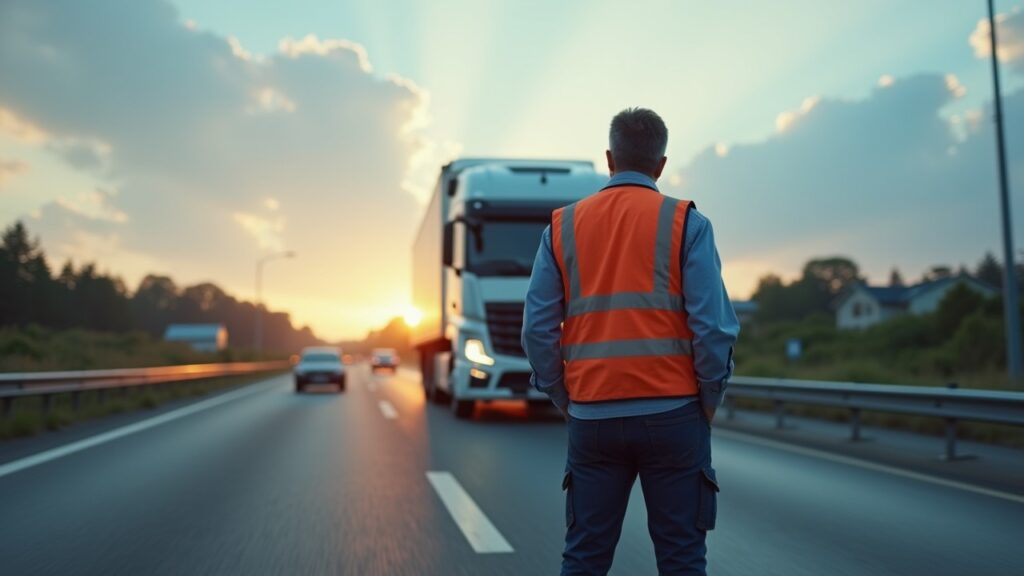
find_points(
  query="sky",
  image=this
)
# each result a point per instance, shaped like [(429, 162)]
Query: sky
[(193, 137)]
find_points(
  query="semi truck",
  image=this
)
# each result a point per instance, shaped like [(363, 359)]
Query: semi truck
[(472, 260)]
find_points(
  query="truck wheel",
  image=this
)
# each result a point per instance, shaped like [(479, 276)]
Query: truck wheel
[(462, 408), (429, 389), (440, 396), (536, 409)]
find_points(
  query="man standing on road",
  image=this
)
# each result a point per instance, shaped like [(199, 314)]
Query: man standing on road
[(630, 332)]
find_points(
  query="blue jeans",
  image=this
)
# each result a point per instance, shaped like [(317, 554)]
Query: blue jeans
[(671, 452)]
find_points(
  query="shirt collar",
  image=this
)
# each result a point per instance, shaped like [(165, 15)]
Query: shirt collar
[(631, 178)]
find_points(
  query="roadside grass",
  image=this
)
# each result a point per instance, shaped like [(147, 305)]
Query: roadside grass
[(37, 349), (28, 417)]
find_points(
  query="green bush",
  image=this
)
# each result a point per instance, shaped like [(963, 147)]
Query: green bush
[(959, 303), (978, 343)]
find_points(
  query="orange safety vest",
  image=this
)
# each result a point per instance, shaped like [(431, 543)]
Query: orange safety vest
[(625, 333)]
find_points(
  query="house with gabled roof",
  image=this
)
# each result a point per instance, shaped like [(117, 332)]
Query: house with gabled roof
[(862, 306)]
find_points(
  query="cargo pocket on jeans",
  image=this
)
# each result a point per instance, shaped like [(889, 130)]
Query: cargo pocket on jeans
[(708, 509), (570, 516)]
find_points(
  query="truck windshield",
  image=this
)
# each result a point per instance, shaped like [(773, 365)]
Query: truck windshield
[(509, 248)]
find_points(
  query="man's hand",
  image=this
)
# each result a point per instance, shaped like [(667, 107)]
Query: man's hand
[(708, 413)]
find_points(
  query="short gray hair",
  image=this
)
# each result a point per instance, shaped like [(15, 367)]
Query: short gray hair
[(637, 140)]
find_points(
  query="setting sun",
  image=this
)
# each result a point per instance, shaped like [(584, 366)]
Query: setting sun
[(412, 316)]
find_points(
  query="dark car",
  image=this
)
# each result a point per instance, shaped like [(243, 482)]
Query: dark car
[(319, 365)]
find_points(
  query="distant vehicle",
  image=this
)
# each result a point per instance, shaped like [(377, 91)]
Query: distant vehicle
[(319, 365), (472, 260), (384, 359), (201, 337)]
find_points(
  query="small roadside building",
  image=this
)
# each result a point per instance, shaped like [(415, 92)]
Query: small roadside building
[(863, 306), (745, 310), (202, 337)]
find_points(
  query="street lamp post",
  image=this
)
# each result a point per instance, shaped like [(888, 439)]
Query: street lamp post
[(1011, 308), (258, 331)]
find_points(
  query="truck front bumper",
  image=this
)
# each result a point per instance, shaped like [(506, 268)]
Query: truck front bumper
[(507, 379)]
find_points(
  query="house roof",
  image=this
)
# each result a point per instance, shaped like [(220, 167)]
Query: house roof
[(901, 296), (744, 306), (887, 295), (923, 287), (193, 331)]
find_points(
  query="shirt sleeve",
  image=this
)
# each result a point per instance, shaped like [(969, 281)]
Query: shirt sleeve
[(543, 314), (711, 316)]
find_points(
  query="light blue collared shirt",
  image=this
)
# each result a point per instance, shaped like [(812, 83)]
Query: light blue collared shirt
[(711, 318)]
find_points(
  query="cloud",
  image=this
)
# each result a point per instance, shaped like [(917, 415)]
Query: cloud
[(1009, 34), (194, 134), (313, 45), (785, 120), (11, 168), (20, 129), (266, 230), (93, 205), (887, 179)]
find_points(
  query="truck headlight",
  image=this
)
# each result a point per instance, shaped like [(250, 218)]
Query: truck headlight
[(475, 352)]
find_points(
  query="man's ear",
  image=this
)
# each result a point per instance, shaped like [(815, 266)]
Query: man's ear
[(660, 168), (611, 162)]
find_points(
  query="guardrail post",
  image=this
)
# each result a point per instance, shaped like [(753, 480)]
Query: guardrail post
[(951, 453), (47, 403), (780, 415), (855, 424), (76, 400), (730, 408), (8, 406), (950, 440)]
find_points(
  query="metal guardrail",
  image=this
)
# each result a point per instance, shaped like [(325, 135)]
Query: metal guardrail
[(950, 403), (49, 384)]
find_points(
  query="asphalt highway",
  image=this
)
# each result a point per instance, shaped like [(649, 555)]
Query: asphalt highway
[(376, 481)]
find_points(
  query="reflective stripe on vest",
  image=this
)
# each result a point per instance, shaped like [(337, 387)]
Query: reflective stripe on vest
[(639, 340), (627, 348)]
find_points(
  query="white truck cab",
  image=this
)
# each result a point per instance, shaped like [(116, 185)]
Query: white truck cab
[(472, 262)]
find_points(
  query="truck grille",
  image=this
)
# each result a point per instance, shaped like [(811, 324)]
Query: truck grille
[(505, 323), (517, 382)]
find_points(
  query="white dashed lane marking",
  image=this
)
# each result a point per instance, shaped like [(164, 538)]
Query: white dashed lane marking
[(478, 530), (388, 410)]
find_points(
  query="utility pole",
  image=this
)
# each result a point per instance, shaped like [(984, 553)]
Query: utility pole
[(257, 339), (1011, 306)]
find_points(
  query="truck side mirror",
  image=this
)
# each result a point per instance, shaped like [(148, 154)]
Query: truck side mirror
[(447, 252)]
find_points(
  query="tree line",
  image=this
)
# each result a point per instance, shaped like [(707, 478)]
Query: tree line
[(31, 293)]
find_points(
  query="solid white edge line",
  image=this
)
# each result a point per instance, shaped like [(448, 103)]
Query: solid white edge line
[(110, 435), (864, 464), (388, 410), (478, 530)]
